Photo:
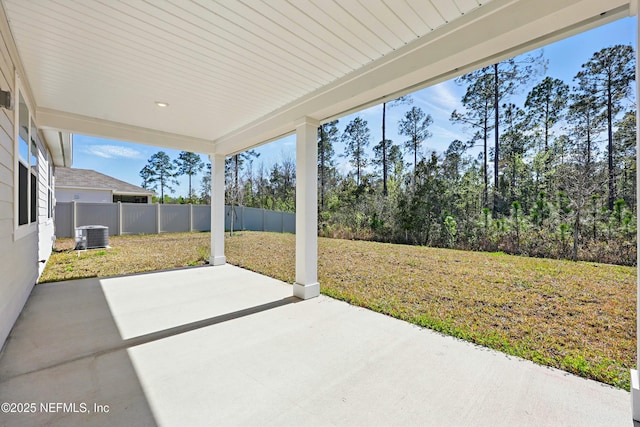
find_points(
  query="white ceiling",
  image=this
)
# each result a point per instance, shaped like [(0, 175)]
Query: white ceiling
[(238, 73)]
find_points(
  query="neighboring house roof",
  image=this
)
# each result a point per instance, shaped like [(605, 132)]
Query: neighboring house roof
[(90, 179)]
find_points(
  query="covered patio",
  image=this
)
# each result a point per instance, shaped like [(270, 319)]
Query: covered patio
[(223, 77), (225, 346), (219, 345)]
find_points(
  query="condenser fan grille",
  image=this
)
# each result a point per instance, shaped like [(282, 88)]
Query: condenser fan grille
[(92, 236)]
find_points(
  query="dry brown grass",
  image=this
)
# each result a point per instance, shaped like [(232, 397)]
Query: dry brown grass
[(579, 317), (128, 254)]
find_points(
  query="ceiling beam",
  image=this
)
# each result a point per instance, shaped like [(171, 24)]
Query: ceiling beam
[(59, 120)]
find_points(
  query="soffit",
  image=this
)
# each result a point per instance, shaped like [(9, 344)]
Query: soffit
[(219, 64), (238, 73)]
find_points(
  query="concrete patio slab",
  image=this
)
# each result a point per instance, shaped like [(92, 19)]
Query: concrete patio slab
[(223, 346)]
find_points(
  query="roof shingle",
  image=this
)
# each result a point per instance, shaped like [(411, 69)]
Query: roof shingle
[(86, 178)]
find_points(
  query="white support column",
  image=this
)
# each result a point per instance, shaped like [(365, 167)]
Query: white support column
[(217, 210), (635, 379), (306, 285)]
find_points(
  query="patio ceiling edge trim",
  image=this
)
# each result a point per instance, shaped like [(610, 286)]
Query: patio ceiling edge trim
[(60, 145), (76, 123), (495, 31), (613, 15), (477, 39)]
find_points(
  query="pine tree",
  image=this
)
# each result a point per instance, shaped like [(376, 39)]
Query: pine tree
[(357, 137), (205, 185), (189, 164), (500, 81), (545, 105), (159, 172), (478, 103), (415, 125), (608, 76), (385, 144), (327, 136)]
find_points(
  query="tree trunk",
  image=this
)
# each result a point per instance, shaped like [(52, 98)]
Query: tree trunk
[(415, 164), (514, 170), (612, 190), (546, 129), (545, 167), (384, 151), (576, 233), (322, 167), (496, 156), (588, 139), (517, 231), (485, 195), (595, 223), (235, 178)]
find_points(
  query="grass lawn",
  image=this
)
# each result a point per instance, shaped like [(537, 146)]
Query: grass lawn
[(127, 254), (579, 317)]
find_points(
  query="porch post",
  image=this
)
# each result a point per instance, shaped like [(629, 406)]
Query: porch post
[(217, 210), (306, 285), (635, 380)]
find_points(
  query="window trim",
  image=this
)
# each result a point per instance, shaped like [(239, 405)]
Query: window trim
[(31, 227), (50, 187)]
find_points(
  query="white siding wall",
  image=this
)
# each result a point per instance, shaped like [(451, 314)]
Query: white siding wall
[(19, 266), (45, 224), (83, 195)]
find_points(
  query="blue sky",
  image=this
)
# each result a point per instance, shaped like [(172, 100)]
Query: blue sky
[(124, 160)]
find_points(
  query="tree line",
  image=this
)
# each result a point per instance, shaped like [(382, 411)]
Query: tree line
[(161, 175), (552, 177)]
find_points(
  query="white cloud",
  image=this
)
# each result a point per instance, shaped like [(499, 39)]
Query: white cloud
[(289, 141), (446, 95), (112, 152), (439, 101), (446, 133)]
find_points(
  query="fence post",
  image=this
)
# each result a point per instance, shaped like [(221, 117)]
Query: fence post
[(190, 217), (263, 219), (119, 218), (157, 218), (73, 218), (282, 221)]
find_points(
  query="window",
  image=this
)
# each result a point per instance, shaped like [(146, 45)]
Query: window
[(129, 199), (23, 194), (28, 157), (23, 163), (34, 197)]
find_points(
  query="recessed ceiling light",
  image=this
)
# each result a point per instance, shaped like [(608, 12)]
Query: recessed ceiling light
[(162, 104)]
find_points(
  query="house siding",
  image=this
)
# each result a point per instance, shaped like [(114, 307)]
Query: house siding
[(19, 266), (83, 195), (46, 231)]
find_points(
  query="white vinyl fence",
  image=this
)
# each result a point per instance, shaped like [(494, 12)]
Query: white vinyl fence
[(138, 218)]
